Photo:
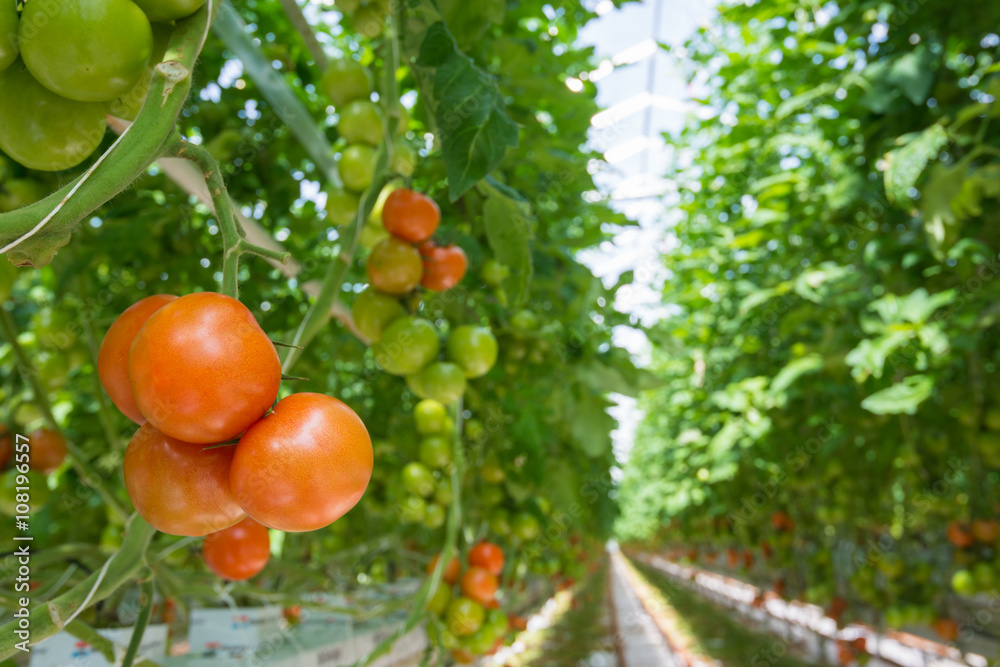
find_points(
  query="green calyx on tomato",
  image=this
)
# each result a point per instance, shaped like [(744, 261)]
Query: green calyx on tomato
[(162, 11), (86, 50), (8, 34), (373, 311), (357, 167), (474, 349), (361, 122), (346, 80), (418, 479), (42, 130), (442, 381)]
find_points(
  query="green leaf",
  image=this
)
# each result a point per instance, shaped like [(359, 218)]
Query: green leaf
[(913, 74), (793, 104), (508, 230), (793, 370), (908, 162), (941, 225), (901, 398), (474, 129)]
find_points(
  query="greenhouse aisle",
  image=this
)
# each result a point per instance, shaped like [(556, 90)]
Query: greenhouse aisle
[(640, 641)]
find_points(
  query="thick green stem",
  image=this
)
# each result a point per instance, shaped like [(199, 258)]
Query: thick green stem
[(31, 235), (232, 235), (321, 310), (50, 618), (91, 477), (299, 22)]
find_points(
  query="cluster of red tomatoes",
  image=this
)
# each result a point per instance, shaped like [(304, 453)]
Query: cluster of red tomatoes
[(72, 63), (407, 345), (201, 378), (466, 602)]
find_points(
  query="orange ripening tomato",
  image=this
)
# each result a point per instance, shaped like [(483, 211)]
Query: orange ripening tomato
[(487, 556), (238, 552), (112, 359), (479, 585), (959, 535), (303, 466), (411, 216), (451, 570), (178, 487), (202, 370), (444, 266), (46, 450)]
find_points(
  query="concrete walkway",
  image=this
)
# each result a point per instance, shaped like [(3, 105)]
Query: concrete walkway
[(640, 642)]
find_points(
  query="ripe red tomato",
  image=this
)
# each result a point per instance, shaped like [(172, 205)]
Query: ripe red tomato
[(394, 267), (238, 552), (47, 449), (304, 465), (112, 359), (411, 216), (451, 570), (479, 584), (202, 370), (178, 487), (487, 556), (444, 266)]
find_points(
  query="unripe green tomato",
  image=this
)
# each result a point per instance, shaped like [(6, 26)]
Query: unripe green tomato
[(86, 50), (369, 20), (491, 495), (474, 430), (491, 471), (347, 6), (438, 603), (525, 527), (404, 159), (372, 235), (42, 130), (8, 34), (35, 491), (346, 80), (361, 122), (435, 451), (434, 517), (443, 494), (20, 192), (465, 616), (474, 349), (500, 522), (443, 381), (480, 641), (524, 321), (342, 207), (407, 345), (418, 479), (373, 311), (412, 509), (163, 11), (357, 167), (431, 417), (493, 273)]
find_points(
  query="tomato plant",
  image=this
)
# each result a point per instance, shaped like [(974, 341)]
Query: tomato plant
[(411, 216)]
